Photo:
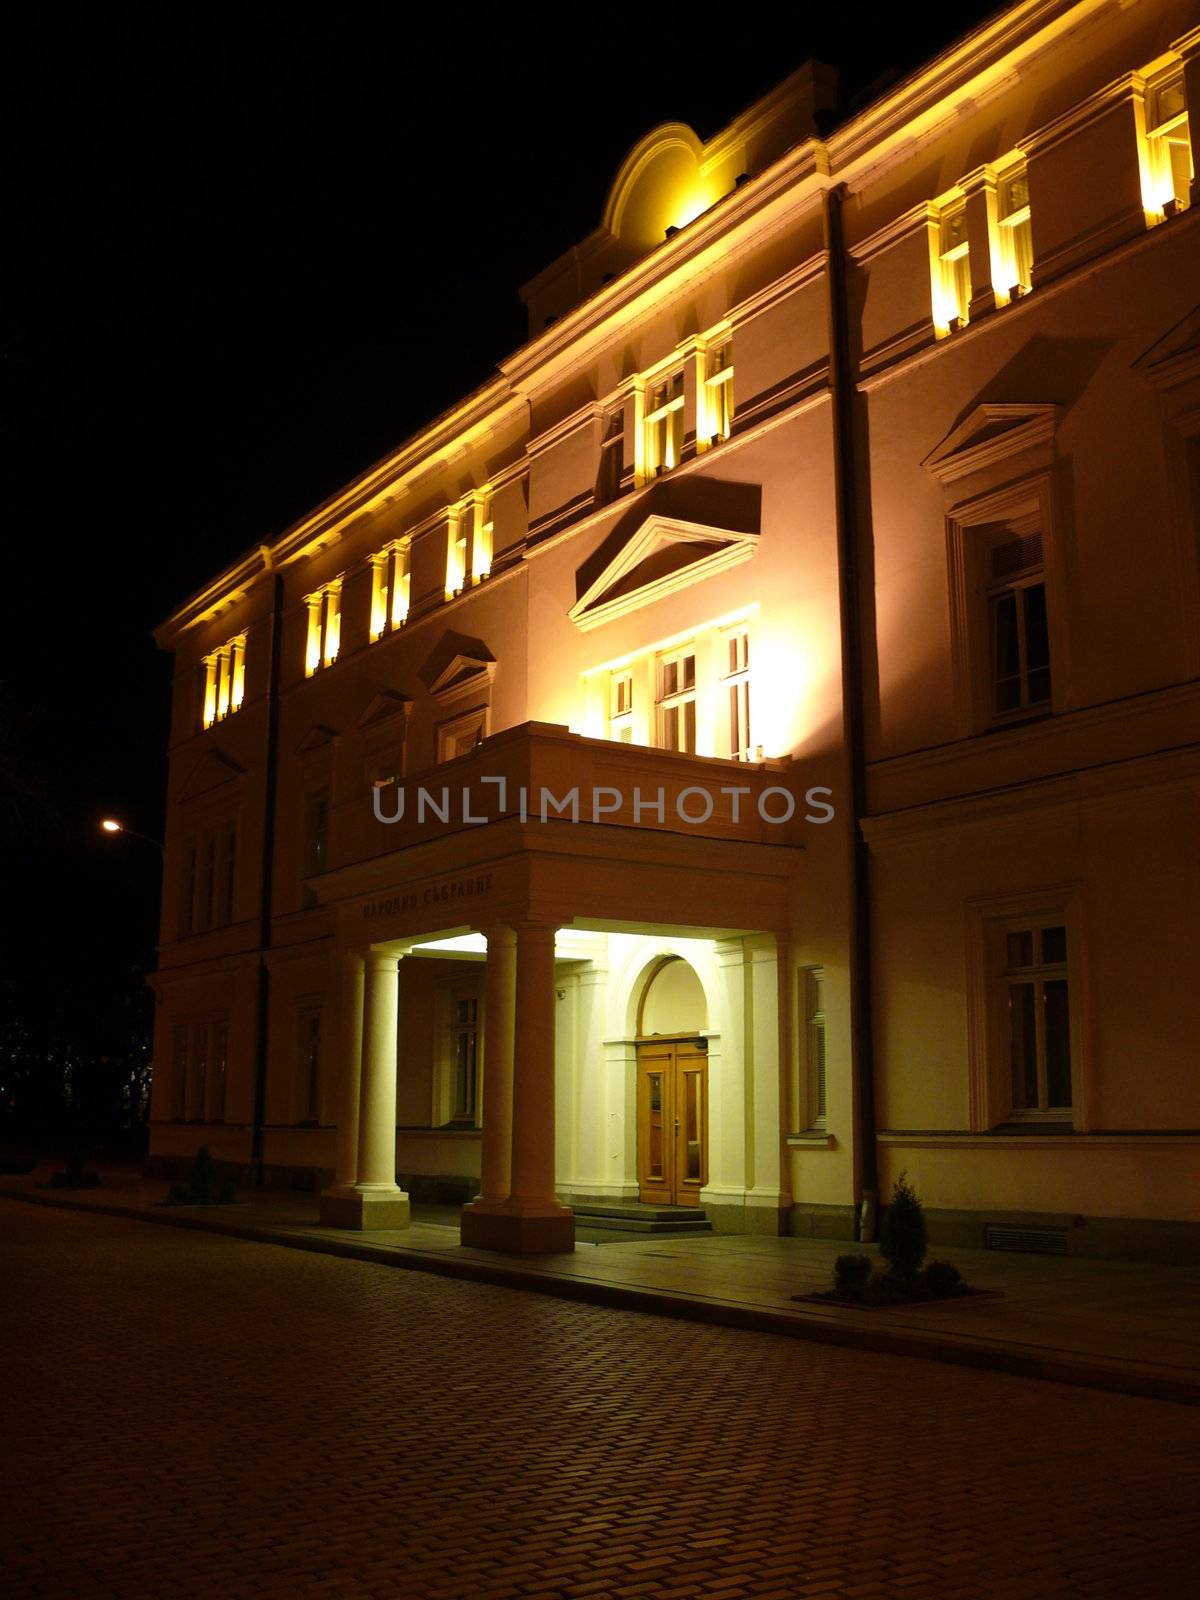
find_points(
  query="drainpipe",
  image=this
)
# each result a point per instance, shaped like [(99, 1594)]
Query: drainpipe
[(842, 392), (266, 877)]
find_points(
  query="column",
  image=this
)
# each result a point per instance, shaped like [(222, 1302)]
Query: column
[(530, 1221), (348, 1065), (372, 1199), (982, 212), (499, 1018)]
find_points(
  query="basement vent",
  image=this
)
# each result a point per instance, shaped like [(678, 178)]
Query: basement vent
[(1030, 1241)]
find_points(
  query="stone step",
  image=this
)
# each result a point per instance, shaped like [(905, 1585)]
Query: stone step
[(642, 1219)]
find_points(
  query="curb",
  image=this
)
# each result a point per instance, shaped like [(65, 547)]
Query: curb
[(1049, 1366)]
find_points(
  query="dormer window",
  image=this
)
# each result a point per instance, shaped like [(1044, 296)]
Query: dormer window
[(952, 269), (664, 424), (390, 586), (469, 543), (1015, 234), (224, 681), (718, 392), (1168, 145), (324, 627)]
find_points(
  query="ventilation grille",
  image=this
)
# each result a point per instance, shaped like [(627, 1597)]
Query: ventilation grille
[(1016, 555), (1029, 1241)]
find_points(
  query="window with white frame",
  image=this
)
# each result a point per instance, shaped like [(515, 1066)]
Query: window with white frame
[(675, 709), (224, 681), (1014, 230), (620, 705), (612, 457), (1018, 621), (952, 281), (460, 736), (1036, 1004), (812, 1011), (308, 1063), (718, 392), (316, 841), (390, 589), (1168, 143), (736, 644), (664, 423), (324, 627)]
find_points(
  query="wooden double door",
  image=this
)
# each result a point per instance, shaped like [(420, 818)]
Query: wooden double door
[(672, 1100)]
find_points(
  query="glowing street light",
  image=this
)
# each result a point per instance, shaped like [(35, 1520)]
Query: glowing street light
[(111, 825)]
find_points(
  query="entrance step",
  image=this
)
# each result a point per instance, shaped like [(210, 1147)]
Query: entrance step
[(640, 1219)]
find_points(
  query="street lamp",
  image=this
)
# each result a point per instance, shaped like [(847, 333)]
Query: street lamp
[(111, 825)]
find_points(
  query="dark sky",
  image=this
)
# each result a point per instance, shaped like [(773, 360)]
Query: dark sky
[(242, 260)]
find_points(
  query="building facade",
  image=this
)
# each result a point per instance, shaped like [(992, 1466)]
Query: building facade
[(750, 746)]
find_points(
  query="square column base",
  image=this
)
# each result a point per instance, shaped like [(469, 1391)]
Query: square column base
[(518, 1235), (365, 1208)]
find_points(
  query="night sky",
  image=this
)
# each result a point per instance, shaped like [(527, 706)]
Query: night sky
[(242, 261)]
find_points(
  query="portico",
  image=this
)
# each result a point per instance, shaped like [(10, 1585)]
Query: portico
[(574, 926)]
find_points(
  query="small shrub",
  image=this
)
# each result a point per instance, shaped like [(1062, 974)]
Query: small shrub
[(851, 1272), (942, 1278), (204, 1186), (902, 1238)]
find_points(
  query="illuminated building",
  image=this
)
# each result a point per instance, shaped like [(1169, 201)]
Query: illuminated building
[(862, 466)]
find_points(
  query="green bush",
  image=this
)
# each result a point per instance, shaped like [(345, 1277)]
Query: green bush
[(902, 1237), (204, 1186), (942, 1278), (851, 1272)]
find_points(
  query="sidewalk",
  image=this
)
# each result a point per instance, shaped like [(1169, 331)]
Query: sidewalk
[(1113, 1325)]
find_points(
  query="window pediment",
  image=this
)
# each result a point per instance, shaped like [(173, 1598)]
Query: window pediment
[(456, 666), (676, 535), (989, 434), (318, 737), (384, 707), (1175, 358), (213, 771)]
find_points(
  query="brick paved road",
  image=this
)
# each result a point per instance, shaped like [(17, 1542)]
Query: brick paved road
[(186, 1415)]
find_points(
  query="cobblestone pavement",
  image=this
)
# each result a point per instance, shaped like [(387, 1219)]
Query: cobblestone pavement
[(189, 1415)]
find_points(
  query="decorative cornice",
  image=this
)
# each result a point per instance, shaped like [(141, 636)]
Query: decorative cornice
[(991, 433)]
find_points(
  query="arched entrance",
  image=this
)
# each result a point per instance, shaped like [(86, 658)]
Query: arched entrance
[(672, 1086)]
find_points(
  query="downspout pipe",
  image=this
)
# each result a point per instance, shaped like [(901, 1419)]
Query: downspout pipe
[(266, 882), (845, 463)]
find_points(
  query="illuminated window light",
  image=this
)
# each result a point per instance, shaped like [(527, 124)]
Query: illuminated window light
[(324, 627), (1168, 168), (1014, 233), (224, 681)]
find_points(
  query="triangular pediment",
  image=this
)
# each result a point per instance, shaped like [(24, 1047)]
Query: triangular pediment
[(384, 707), (669, 540), (1175, 358), (989, 434), (318, 737), (457, 664), (213, 770)]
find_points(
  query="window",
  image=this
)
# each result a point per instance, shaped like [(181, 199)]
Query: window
[(1168, 145), (316, 841), (718, 392), (1018, 625), (459, 737), (620, 714), (676, 709), (308, 1064), (737, 689), (324, 627), (812, 1003), (469, 541), (952, 282), (464, 1059), (1038, 1019), (390, 588), (1015, 235), (224, 681), (664, 424), (207, 880), (199, 1053), (612, 458)]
